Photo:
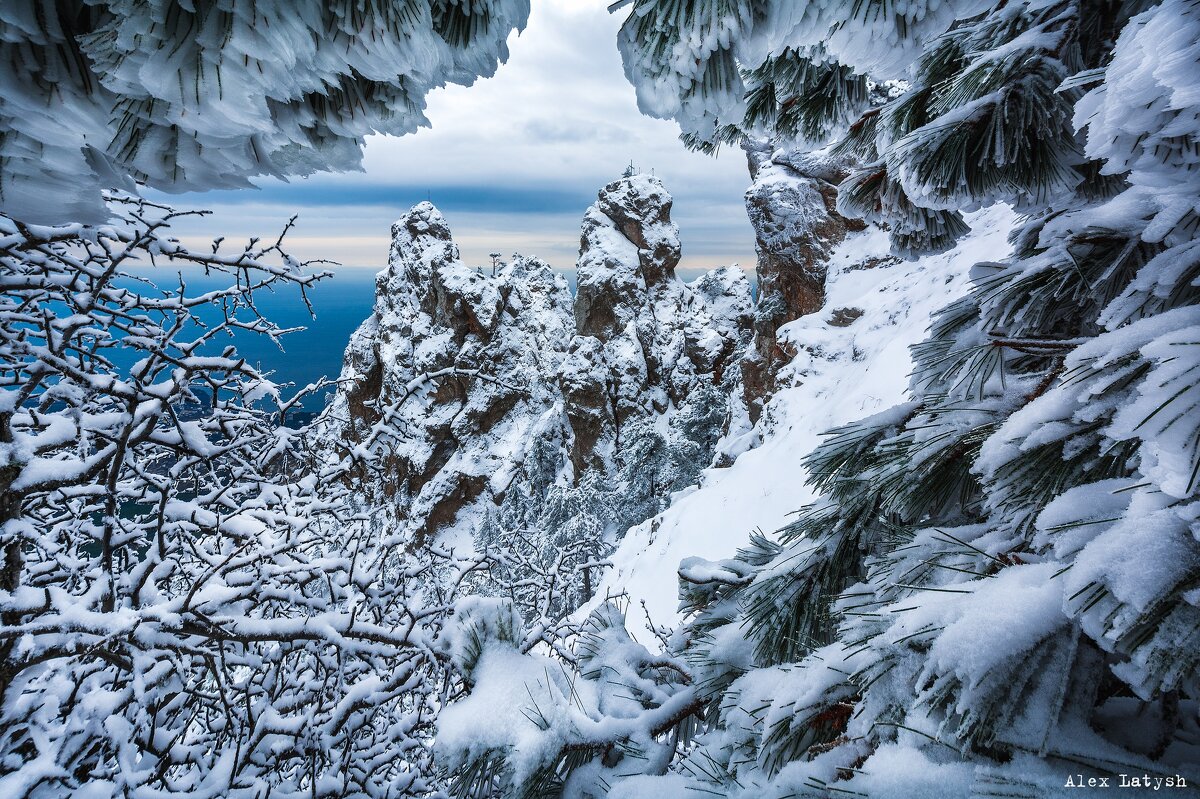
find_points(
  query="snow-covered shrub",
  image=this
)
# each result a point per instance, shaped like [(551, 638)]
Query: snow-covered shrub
[(548, 550), (188, 607)]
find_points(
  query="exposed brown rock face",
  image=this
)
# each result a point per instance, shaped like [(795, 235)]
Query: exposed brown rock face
[(646, 338), (792, 207)]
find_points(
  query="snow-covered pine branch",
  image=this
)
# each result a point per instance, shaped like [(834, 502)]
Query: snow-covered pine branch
[(182, 95)]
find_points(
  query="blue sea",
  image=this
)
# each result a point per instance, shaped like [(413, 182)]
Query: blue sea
[(340, 304)]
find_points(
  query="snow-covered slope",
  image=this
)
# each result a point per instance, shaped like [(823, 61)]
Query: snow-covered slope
[(847, 365)]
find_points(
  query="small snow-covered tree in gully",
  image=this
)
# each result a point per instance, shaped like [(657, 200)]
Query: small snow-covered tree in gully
[(1000, 586)]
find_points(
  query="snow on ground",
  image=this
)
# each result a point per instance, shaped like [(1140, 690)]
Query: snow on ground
[(839, 374)]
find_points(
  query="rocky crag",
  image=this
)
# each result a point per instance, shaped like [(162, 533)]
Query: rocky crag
[(485, 397), (792, 205)]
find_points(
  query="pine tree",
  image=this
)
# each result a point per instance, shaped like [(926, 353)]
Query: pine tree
[(181, 95), (998, 586)]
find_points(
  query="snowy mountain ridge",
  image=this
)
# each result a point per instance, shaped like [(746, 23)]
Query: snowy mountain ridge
[(492, 398)]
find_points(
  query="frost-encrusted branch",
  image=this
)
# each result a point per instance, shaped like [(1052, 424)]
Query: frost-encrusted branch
[(185, 582), (206, 96)]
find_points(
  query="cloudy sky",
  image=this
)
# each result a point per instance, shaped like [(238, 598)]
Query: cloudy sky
[(512, 162)]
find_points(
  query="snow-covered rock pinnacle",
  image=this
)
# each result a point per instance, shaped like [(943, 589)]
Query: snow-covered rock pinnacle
[(481, 395), (628, 246), (447, 375), (647, 340)]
